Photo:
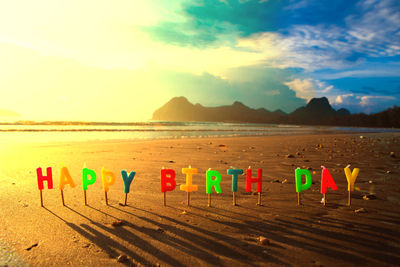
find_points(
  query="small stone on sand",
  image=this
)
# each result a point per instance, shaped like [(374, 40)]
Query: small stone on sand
[(392, 154), (263, 240), (289, 156), (117, 223), (122, 258)]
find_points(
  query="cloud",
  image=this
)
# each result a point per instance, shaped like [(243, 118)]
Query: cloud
[(315, 35), (308, 88), (363, 103), (255, 87), (209, 23)]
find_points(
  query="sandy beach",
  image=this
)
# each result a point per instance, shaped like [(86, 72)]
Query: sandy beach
[(227, 235)]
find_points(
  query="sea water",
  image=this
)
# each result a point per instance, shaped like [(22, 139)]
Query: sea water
[(22, 133)]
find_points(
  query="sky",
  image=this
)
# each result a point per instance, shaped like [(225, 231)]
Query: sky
[(120, 60)]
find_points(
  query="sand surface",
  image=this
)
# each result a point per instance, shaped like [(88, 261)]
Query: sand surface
[(177, 235)]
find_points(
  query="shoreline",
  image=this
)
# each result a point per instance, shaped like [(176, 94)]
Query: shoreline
[(198, 138), (221, 235)]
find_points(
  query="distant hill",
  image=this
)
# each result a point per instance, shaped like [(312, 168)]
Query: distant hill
[(8, 115), (317, 112), (180, 109)]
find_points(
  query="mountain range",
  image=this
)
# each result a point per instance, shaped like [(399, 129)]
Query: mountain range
[(318, 111)]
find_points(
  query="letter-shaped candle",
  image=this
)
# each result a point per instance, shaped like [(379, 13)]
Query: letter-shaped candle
[(188, 187), (298, 174), (168, 180), (300, 186), (234, 173), (127, 182), (326, 181), (85, 178), (258, 180), (108, 178), (65, 178), (250, 180), (210, 182), (41, 178), (86, 181), (351, 179)]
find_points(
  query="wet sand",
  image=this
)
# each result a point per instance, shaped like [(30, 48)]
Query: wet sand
[(177, 235)]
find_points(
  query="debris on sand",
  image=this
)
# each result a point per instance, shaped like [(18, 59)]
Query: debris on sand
[(289, 156), (32, 246), (392, 154), (284, 181), (263, 241), (184, 212), (86, 245), (361, 210), (117, 223), (369, 197)]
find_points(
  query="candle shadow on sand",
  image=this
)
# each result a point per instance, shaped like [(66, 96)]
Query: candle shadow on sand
[(295, 232), (110, 246), (218, 243)]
